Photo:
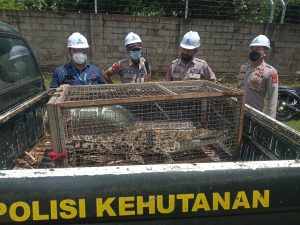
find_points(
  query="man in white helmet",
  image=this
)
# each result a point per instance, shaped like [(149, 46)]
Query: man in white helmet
[(188, 67), (258, 78), (78, 71), (133, 69)]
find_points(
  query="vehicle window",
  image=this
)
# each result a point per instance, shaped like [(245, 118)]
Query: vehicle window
[(20, 76), (16, 63)]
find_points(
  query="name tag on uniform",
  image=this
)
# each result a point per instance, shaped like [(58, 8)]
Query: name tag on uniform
[(193, 70), (127, 73), (194, 76)]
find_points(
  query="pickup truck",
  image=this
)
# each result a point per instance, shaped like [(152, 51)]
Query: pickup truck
[(261, 187)]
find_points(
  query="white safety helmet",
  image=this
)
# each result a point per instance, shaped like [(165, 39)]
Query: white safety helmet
[(190, 40), (77, 40), (260, 40), (132, 38), (18, 51)]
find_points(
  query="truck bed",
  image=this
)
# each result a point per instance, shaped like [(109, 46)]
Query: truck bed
[(86, 150), (237, 192)]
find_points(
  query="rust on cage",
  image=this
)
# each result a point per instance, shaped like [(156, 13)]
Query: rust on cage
[(166, 122)]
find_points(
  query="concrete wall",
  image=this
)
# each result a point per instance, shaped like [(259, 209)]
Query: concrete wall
[(224, 44)]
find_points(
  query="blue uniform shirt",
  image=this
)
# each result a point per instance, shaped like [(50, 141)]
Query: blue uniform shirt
[(68, 74)]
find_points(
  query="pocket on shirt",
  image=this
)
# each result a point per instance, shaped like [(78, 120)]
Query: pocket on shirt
[(71, 80), (255, 83), (128, 75), (69, 77), (94, 80), (176, 76)]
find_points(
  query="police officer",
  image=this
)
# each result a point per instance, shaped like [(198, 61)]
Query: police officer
[(258, 78), (188, 67), (78, 71), (133, 69)]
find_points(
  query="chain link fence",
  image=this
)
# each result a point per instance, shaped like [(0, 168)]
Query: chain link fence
[(276, 11)]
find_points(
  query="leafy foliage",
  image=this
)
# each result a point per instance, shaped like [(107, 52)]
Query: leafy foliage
[(144, 8), (242, 10), (250, 11), (13, 4)]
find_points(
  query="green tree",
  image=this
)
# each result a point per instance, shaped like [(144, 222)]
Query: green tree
[(13, 4), (143, 8), (49, 5), (252, 11), (292, 11), (242, 10)]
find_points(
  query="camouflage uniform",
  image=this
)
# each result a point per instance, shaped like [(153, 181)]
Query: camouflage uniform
[(129, 72), (196, 70), (257, 82)]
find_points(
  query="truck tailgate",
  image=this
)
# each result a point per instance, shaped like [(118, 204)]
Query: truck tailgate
[(265, 192)]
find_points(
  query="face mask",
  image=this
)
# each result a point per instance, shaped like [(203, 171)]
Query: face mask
[(20, 67), (254, 56), (186, 58), (79, 58), (135, 55)]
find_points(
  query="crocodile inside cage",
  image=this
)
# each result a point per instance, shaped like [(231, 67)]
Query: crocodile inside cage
[(174, 122)]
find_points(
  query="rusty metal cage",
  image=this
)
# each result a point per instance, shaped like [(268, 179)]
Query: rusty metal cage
[(167, 122)]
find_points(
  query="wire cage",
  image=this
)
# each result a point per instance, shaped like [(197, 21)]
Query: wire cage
[(147, 123)]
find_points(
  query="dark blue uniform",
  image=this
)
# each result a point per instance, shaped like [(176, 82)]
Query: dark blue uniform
[(68, 74)]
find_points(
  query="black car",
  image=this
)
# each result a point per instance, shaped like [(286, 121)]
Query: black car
[(22, 96)]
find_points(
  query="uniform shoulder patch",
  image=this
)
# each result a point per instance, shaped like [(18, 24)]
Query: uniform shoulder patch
[(274, 76), (116, 66)]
